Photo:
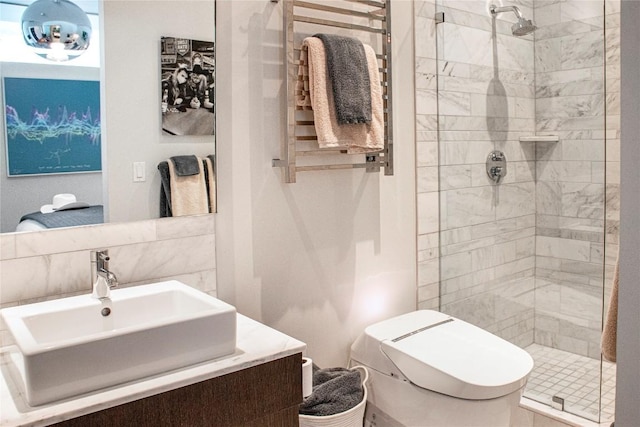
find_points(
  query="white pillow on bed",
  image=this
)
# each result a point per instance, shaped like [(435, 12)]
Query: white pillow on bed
[(30, 225)]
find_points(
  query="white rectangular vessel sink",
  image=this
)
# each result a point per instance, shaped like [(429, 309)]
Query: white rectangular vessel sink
[(69, 347)]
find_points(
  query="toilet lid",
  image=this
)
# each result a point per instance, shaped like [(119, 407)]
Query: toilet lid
[(453, 357)]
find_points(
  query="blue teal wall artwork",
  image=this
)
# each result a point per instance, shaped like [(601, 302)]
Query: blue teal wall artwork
[(52, 126)]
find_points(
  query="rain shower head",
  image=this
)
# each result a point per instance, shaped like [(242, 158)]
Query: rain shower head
[(522, 27)]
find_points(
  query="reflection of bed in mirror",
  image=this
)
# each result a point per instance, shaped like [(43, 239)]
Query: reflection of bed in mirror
[(37, 221)]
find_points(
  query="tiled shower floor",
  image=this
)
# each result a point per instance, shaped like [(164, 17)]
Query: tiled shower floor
[(574, 378)]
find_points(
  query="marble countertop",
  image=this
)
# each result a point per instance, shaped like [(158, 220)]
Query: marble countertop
[(256, 344)]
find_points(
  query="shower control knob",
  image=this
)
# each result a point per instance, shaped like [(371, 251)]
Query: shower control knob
[(497, 156), (496, 166)]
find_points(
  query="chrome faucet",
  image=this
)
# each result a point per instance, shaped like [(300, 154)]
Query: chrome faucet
[(102, 278)]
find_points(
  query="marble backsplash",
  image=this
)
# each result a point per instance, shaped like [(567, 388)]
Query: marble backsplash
[(38, 266)]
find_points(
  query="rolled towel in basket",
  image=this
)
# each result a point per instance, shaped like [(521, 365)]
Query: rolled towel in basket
[(335, 390)]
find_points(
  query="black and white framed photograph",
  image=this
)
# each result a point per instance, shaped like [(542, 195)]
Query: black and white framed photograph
[(188, 86)]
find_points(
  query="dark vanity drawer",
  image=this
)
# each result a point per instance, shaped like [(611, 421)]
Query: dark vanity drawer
[(266, 395)]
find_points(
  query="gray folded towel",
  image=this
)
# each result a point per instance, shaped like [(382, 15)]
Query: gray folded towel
[(349, 76), (335, 390), (165, 190), (186, 165)]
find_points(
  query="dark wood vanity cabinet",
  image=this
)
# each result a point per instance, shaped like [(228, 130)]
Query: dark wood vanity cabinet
[(266, 395)]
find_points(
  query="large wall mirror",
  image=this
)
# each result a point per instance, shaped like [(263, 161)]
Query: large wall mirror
[(128, 56)]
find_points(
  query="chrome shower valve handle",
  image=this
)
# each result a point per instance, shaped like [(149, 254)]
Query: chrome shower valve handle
[(496, 166)]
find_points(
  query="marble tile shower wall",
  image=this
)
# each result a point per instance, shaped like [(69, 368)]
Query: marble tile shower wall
[(37, 266), (486, 101), (571, 74), (481, 248)]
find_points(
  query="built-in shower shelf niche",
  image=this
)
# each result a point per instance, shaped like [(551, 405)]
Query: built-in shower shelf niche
[(540, 138)]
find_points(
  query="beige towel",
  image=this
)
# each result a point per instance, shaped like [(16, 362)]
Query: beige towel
[(609, 332), (357, 138), (303, 94), (211, 184), (188, 193)]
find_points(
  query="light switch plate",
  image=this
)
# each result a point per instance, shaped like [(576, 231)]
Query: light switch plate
[(139, 172)]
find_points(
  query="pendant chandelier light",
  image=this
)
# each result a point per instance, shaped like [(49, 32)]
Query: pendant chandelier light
[(57, 30)]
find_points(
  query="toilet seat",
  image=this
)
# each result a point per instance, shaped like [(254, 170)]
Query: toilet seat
[(446, 355)]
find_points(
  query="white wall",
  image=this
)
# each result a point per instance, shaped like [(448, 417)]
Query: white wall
[(131, 97), (628, 351), (324, 257)]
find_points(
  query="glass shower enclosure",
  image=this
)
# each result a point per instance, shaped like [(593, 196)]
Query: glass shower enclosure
[(528, 134)]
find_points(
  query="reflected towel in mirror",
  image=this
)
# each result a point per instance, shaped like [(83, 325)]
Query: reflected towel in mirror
[(186, 165), (210, 180), (196, 191)]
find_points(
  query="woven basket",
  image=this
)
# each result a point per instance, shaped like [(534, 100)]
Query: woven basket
[(352, 418)]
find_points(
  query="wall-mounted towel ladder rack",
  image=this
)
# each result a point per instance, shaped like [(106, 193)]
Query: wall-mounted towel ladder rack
[(366, 20)]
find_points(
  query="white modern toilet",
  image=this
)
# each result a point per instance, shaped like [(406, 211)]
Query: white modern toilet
[(430, 369)]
